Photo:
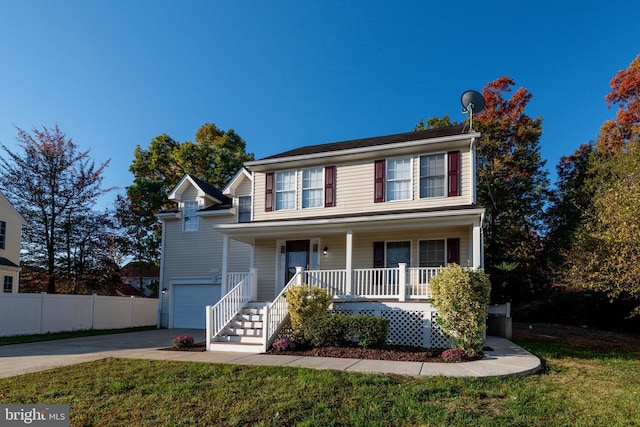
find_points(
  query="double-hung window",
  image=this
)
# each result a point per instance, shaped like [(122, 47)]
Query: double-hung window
[(190, 217), (398, 252), (8, 284), (3, 234), (431, 253), (432, 175), (244, 209), (398, 180), (312, 188), (285, 190)]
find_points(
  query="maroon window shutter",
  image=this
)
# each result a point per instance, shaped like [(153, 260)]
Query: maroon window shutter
[(453, 251), (454, 173), (268, 196), (329, 186), (379, 182), (378, 254)]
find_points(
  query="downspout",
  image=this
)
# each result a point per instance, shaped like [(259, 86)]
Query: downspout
[(472, 151), (161, 278), (482, 241)]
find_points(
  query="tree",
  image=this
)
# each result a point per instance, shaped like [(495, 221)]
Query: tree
[(435, 123), (568, 203), (625, 92), (606, 256), (606, 253), (215, 158), (49, 183), (512, 186)]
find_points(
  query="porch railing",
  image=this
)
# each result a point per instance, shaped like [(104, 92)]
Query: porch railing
[(234, 278), (276, 312), (375, 283), (220, 314)]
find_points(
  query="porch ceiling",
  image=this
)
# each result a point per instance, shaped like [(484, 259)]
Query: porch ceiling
[(247, 232)]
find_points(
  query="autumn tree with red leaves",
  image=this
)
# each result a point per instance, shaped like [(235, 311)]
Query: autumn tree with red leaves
[(625, 92)]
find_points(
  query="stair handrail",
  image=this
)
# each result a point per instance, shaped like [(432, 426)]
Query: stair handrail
[(220, 314), (276, 312)]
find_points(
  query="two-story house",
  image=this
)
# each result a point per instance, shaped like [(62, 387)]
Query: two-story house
[(370, 220), (11, 223)]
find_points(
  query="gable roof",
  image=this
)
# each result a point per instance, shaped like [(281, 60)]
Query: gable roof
[(7, 263), (18, 214), (369, 142), (204, 190)]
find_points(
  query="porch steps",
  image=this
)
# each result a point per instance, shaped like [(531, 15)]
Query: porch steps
[(244, 331)]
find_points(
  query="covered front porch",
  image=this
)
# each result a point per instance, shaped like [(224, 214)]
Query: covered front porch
[(384, 259)]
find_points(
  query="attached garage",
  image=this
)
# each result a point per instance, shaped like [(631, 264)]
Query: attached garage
[(189, 301)]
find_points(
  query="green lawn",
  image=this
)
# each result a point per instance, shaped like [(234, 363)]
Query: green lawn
[(584, 383)]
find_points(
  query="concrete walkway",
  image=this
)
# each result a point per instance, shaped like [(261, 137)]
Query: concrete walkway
[(506, 358)]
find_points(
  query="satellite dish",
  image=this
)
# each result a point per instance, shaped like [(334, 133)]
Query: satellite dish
[(472, 102)]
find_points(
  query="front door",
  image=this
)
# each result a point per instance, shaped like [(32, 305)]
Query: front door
[(296, 255)]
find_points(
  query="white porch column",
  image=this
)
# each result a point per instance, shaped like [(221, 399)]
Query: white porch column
[(254, 284), (402, 281), (225, 263), (299, 276), (476, 244), (349, 264)]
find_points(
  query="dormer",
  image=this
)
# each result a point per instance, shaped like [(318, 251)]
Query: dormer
[(240, 188), (196, 198)]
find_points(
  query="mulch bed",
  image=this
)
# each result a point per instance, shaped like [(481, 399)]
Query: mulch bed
[(398, 353)]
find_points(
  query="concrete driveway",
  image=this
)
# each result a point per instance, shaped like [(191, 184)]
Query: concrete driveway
[(17, 359)]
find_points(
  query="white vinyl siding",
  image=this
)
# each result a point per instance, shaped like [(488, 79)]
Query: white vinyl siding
[(432, 175), (285, 188), (312, 188), (398, 179)]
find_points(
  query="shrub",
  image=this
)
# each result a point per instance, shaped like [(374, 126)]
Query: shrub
[(183, 341), (304, 303), (340, 330), (454, 355), (284, 344), (461, 297)]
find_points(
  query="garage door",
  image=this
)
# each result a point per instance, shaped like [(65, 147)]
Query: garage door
[(189, 303)]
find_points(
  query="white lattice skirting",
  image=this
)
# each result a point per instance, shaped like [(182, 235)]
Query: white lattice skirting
[(410, 323)]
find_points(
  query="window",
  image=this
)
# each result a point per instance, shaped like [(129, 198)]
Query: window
[(432, 175), (431, 253), (244, 209), (312, 188), (8, 284), (439, 177), (398, 252), (3, 234), (285, 190), (189, 214), (399, 179)]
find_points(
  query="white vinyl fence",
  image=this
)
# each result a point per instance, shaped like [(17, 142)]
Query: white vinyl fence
[(24, 314)]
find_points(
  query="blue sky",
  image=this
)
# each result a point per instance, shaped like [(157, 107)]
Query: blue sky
[(114, 74)]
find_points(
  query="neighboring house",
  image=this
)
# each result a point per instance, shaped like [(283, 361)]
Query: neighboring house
[(370, 220), (11, 223), (139, 275)]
